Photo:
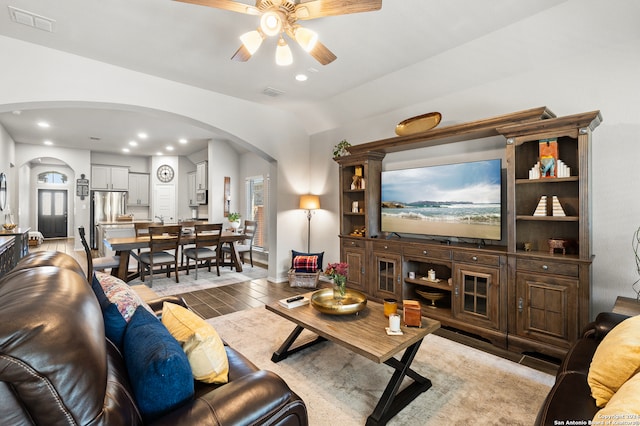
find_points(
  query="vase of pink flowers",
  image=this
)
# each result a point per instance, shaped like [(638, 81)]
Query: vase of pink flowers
[(338, 273)]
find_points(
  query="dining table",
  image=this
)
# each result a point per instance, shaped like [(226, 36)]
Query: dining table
[(125, 247)]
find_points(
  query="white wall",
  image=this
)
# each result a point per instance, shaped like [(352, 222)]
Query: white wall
[(223, 161), (601, 76)]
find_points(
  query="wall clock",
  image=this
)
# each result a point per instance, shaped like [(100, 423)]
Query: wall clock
[(165, 173)]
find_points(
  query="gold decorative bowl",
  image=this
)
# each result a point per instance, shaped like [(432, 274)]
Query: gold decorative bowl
[(353, 301), (418, 124), (9, 226), (432, 296)]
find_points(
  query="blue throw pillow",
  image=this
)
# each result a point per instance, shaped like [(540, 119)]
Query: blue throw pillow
[(114, 324), (159, 371), (294, 254), (99, 292)]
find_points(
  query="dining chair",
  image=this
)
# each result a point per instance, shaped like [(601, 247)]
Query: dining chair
[(187, 229), (206, 247), (162, 239), (246, 246), (141, 229), (96, 263)]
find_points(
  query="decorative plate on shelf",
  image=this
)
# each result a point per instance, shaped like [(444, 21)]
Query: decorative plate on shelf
[(418, 124)]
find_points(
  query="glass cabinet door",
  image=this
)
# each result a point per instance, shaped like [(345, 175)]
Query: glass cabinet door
[(476, 291)]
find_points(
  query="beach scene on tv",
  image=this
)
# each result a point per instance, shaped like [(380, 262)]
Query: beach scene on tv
[(454, 200)]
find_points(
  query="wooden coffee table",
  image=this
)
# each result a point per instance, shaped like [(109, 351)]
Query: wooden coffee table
[(364, 333)]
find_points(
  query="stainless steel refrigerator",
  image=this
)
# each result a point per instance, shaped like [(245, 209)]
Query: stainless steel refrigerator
[(105, 207)]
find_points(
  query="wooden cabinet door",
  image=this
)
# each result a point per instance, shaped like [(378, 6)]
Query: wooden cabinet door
[(387, 270), (547, 308), (356, 258), (476, 295)]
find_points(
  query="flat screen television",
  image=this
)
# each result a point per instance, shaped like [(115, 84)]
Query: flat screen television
[(460, 200)]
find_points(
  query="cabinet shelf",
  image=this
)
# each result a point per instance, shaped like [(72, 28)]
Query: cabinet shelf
[(549, 218), (353, 190), (547, 180), (442, 285), (353, 214)]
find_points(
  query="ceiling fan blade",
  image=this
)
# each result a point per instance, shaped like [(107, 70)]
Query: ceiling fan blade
[(225, 5), (320, 8), (322, 54), (242, 54)]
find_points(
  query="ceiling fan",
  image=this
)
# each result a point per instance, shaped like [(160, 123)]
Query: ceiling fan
[(278, 17)]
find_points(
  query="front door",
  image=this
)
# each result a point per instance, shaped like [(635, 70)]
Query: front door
[(52, 213)]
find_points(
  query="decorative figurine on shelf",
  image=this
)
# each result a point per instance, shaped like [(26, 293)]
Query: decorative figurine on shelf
[(548, 149), (356, 182), (341, 149)]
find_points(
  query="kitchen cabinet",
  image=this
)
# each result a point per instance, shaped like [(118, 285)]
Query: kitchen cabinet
[(138, 189), (201, 175), (111, 178)]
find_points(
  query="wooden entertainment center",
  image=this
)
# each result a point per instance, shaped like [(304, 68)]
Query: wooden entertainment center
[(523, 297)]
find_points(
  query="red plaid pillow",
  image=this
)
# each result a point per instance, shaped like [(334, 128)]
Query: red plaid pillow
[(305, 263)]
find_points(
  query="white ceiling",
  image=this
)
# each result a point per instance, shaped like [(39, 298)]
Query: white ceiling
[(193, 44)]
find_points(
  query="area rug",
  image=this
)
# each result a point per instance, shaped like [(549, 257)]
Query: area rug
[(342, 388), (164, 286)]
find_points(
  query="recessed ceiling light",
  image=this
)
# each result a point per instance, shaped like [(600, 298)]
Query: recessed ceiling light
[(16, 112), (169, 148), (125, 149), (142, 135), (183, 141), (158, 153), (133, 143), (43, 124), (301, 77), (48, 142)]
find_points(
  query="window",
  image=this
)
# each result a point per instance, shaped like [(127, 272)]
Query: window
[(52, 177), (257, 190)]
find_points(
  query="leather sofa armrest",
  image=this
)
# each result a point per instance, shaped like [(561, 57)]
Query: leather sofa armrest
[(604, 323), (257, 398), (156, 304)]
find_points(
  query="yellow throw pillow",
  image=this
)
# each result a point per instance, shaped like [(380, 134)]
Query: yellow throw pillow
[(200, 341), (624, 405), (615, 361)]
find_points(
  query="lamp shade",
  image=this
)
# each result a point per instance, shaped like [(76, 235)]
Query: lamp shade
[(283, 53), (252, 40), (309, 202)]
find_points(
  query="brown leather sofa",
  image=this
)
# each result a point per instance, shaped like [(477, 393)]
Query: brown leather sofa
[(570, 397), (57, 367)]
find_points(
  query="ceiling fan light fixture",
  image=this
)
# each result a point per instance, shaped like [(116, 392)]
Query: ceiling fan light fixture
[(252, 40), (271, 23), (284, 56), (306, 38)]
